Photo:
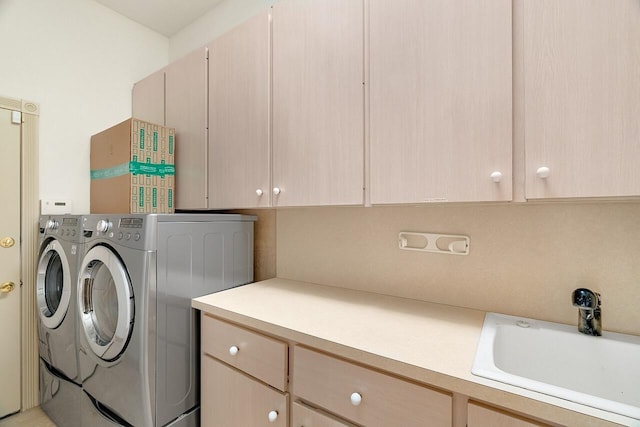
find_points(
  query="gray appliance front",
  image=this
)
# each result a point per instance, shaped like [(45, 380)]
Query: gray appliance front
[(114, 309), (194, 259), (59, 398), (60, 250)]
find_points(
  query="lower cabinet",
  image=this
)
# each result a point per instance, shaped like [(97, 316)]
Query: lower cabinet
[(365, 396), (479, 415), (304, 416), (248, 379), (231, 398)]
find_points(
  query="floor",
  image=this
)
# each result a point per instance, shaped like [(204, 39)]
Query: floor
[(31, 418)]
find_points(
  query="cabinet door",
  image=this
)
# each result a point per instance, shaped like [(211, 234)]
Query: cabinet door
[(262, 357), (148, 98), (440, 100), (483, 416), (239, 155), (230, 398), (304, 416), (318, 102), (365, 396), (582, 98), (186, 103)]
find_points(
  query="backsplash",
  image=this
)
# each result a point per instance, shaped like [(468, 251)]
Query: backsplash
[(525, 259)]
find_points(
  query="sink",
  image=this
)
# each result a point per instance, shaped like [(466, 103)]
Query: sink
[(557, 360)]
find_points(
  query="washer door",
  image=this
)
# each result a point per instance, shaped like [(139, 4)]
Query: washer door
[(105, 303), (53, 287)]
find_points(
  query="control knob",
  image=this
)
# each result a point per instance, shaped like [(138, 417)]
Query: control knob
[(103, 226), (51, 225)]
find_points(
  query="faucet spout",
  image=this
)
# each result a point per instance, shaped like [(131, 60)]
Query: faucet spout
[(588, 303)]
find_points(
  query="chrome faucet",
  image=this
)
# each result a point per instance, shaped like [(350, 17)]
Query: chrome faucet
[(588, 304)]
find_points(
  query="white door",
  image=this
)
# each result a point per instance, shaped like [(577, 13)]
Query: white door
[(9, 263)]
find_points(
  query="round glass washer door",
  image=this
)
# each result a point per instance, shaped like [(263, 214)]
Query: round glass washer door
[(53, 285), (105, 303)]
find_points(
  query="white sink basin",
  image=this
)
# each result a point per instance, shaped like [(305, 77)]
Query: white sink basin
[(555, 359)]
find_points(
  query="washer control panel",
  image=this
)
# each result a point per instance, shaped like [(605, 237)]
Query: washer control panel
[(60, 226)]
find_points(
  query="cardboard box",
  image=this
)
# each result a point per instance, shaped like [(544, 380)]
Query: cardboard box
[(133, 169)]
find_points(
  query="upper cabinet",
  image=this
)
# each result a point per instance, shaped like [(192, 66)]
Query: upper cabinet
[(318, 102), (148, 98), (440, 100), (176, 96), (582, 98), (239, 154), (186, 111), (324, 102)]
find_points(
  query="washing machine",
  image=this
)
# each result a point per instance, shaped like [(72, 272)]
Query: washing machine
[(139, 337), (60, 250)]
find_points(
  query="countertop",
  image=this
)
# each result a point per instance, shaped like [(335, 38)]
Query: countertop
[(430, 343)]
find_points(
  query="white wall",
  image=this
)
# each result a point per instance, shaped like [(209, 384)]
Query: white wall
[(79, 61), (216, 22)]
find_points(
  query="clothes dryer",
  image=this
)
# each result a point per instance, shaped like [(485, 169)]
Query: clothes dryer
[(60, 250), (139, 337)]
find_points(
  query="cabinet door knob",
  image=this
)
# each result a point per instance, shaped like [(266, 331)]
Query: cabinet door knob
[(356, 399), (273, 416), (496, 176), (543, 172), (276, 190), (259, 192), (233, 350)]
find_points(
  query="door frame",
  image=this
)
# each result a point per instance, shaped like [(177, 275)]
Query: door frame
[(29, 215)]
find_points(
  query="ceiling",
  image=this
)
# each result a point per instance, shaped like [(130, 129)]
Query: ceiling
[(166, 17)]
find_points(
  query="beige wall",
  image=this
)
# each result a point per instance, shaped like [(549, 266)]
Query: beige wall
[(525, 259)]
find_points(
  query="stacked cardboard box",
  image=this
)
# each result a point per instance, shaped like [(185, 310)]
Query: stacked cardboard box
[(133, 168)]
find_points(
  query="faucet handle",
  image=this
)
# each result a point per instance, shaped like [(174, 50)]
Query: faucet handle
[(586, 299), (589, 313)]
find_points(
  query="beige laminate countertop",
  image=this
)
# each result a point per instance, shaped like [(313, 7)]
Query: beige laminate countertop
[(430, 343)]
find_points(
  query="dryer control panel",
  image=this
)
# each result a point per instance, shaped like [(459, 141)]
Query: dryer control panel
[(129, 231)]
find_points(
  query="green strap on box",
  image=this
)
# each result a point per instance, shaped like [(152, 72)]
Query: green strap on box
[(135, 168)]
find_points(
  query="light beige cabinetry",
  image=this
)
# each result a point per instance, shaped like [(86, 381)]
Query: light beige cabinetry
[(244, 377), (581, 98), (239, 152), (231, 398), (365, 396), (186, 111), (148, 98), (304, 416), (176, 96), (483, 416), (318, 102), (440, 100)]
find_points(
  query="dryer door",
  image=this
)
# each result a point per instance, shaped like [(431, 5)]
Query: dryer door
[(105, 302), (53, 287)]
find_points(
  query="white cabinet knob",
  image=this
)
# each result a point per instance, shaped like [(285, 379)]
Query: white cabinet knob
[(543, 172), (258, 192), (233, 350), (273, 416), (276, 190), (496, 176), (356, 399)]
